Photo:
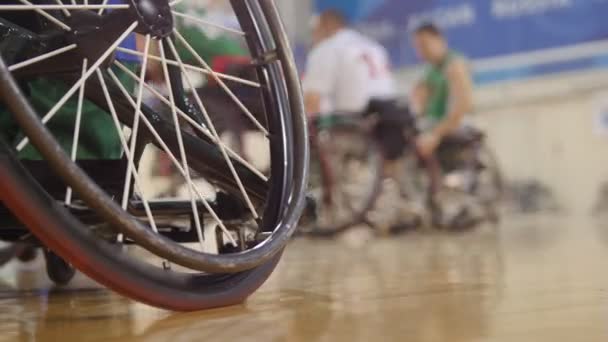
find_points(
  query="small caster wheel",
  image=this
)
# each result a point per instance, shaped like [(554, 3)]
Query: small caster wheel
[(58, 270)]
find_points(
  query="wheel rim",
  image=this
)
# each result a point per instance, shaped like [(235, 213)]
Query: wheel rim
[(281, 182)]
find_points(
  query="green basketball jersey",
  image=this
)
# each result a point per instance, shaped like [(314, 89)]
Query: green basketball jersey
[(436, 81), (207, 41)]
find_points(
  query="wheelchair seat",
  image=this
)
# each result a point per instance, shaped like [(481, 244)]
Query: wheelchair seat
[(465, 136)]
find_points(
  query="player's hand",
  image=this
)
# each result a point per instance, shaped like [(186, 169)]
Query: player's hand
[(427, 144)]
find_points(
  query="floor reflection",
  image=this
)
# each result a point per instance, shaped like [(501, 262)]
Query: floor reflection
[(533, 279)]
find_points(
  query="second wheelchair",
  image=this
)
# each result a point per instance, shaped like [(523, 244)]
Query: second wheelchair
[(362, 175)]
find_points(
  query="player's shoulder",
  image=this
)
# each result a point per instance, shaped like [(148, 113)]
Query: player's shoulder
[(324, 49), (456, 57), (457, 62), (371, 44)]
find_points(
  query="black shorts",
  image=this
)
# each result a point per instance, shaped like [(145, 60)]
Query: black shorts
[(390, 136), (390, 129)]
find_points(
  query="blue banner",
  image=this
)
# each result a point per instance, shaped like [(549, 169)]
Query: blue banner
[(483, 29)]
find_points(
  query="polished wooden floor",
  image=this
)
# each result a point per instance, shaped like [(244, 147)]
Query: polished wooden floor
[(533, 279)]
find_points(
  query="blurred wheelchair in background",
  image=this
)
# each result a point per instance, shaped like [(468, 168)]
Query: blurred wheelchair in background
[(346, 174), (85, 198), (351, 187)]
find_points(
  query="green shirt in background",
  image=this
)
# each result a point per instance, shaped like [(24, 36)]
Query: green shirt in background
[(438, 87), (98, 137), (206, 45)]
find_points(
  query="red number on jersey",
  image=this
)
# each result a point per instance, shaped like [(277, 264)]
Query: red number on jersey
[(375, 71)]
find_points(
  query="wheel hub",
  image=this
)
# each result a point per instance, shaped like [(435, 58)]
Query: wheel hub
[(154, 17)]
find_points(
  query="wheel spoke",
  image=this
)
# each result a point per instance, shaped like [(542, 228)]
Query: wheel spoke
[(171, 156), (65, 11), (76, 138), (135, 127), (80, 82), (207, 23), (41, 58), (175, 2), (193, 68), (180, 142), (28, 6), (129, 155), (221, 83), (52, 19), (192, 122), (214, 132), (105, 2)]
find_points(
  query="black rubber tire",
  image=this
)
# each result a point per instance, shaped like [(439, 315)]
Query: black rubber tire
[(109, 264), (375, 188), (58, 270)]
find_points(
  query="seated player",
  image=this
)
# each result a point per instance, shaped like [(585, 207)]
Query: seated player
[(443, 97), (350, 74)]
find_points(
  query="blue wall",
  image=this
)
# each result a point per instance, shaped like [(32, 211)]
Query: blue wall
[(485, 28)]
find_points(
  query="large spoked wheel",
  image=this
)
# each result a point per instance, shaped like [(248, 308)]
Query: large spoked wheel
[(346, 178), (236, 216)]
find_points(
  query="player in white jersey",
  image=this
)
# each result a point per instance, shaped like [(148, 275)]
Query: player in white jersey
[(348, 73), (345, 70)]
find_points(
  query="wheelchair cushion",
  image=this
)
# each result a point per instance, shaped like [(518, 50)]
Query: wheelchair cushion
[(465, 136)]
